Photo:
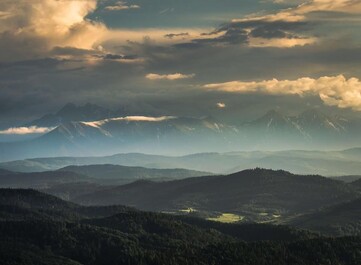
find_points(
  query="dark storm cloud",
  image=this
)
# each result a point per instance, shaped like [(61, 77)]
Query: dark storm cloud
[(267, 29), (110, 56), (31, 88), (70, 51), (236, 33), (173, 35), (230, 36)]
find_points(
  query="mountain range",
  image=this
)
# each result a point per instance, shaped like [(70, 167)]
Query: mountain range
[(71, 112), (115, 174), (93, 174), (327, 163), (91, 129)]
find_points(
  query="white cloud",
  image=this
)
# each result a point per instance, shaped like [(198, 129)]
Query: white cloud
[(121, 5), (300, 12), (129, 119), (26, 130), (32, 29), (281, 42), (347, 6), (333, 91), (175, 76), (35, 27)]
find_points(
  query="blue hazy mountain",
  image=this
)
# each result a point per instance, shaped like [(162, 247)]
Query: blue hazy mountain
[(328, 163), (93, 130), (114, 135)]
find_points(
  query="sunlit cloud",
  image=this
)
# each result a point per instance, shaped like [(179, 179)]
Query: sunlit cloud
[(121, 5), (26, 130), (175, 76), (129, 119), (281, 42), (32, 29), (35, 27), (333, 91), (221, 105), (300, 12)]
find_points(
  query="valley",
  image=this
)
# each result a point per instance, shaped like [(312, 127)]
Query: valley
[(51, 231)]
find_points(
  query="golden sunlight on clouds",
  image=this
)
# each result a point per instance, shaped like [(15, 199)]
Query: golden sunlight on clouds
[(26, 130), (160, 36), (59, 23), (221, 105), (333, 91), (300, 12), (129, 119), (33, 28), (347, 6), (169, 76), (281, 42), (121, 5)]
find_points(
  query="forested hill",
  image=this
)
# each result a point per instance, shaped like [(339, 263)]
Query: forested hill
[(341, 219), (33, 232), (256, 194)]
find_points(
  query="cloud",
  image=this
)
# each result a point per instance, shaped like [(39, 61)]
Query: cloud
[(345, 6), (301, 11), (333, 91), (175, 76), (281, 42), (284, 28), (129, 119), (175, 35), (26, 130), (35, 27), (259, 32), (120, 58), (221, 105), (121, 5)]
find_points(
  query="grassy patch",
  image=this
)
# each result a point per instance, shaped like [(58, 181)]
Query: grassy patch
[(227, 218)]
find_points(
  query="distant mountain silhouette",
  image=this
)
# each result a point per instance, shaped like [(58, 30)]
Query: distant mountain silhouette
[(93, 130), (71, 112), (40, 180), (332, 163), (93, 174), (312, 125), (111, 174)]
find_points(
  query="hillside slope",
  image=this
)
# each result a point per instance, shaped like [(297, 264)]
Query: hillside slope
[(256, 195), (116, 174), (339, 220), (49, 235)]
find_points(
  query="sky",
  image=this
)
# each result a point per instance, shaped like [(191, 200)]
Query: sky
[(230, 59)]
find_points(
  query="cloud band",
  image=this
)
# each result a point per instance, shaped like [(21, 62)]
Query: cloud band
[(332, 90)]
